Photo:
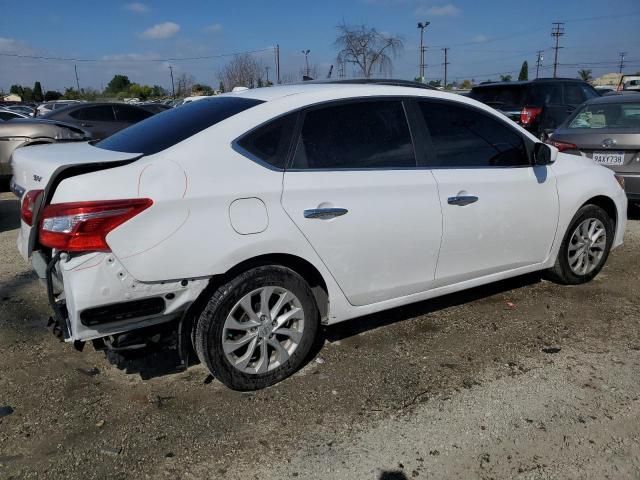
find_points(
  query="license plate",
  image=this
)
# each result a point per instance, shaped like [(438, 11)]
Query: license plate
[(609, 158)]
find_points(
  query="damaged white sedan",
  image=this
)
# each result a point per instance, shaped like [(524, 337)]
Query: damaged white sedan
[(230, 229)]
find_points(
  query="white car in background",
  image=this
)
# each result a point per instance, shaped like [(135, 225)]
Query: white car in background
[(236, 225), (47, 107)]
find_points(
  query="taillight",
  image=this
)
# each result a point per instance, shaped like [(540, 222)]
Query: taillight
[(28, 205), (83, 226), (528, 115), (562, 146)]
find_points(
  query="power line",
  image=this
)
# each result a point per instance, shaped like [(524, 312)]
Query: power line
[(136, 60), (557, 32)]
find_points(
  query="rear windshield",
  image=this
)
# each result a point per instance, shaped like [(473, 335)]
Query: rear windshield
[(611, 115), (500, 95), (173, 126)]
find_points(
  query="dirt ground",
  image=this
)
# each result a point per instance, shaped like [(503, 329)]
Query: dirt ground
[(522, 379)]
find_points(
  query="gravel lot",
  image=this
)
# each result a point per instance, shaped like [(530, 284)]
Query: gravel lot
[(521, 379)]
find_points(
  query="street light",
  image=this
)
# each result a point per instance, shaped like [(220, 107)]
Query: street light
[(306, 60), (422, 26)]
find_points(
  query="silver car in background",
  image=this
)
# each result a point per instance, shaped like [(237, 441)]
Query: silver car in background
[(607, 130)]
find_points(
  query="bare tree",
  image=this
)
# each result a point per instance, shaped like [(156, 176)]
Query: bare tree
[(367, 49), (184, 84), (241, 71)]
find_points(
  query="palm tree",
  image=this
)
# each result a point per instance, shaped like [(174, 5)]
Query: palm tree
[(585, 75)]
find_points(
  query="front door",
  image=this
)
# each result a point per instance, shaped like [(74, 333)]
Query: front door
[(499, 212), (355, 193)]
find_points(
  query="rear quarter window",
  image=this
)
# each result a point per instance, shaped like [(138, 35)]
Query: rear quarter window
[(500, 95), (166, 129)]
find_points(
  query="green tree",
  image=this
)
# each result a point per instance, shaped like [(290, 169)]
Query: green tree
[(201, 89), (16, 90), (52, 95), (466, 84), (221, 87), (158, 91), (27, 94), (505, 78), (71, 93), (524, 71), (119, 83), (435, 83), (585, 75), (38, 96)]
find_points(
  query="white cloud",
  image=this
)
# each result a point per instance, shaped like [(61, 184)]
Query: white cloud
[(480, 38), (137, 7), (213, 28), (448, 10), (161, 30), (11, 45)]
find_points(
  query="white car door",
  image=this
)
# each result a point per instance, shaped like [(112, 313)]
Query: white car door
[(499, 212), (354, 191)]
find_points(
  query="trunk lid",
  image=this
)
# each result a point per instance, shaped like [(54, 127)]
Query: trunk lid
[(42, 167)]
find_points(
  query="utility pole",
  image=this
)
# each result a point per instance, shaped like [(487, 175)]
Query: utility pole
[(421, 65), (266, 69), (446, 63), (75, 67), (341, 72), (306, 61), (622, 55), (557, 32), (539, 61), (173, 88), (278, 64)]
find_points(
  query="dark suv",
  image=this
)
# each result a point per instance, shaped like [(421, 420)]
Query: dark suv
[(538, 105)]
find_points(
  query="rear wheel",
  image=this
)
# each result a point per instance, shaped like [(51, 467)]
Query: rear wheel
[(585, 247), (258, 328)]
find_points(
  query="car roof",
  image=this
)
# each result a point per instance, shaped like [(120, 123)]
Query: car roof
[(528, 82), (616, 98), (348, 88)]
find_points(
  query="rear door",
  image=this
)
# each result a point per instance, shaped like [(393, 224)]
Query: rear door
[(560, 100), (354, 191), (499, 212)]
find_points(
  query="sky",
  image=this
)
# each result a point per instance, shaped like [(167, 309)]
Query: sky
[(486, 38)]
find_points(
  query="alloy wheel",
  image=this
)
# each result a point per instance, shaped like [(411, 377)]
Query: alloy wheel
[(587, 246)]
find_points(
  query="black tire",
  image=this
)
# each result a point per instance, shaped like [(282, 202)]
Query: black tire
[(209, 328), (561, 271)]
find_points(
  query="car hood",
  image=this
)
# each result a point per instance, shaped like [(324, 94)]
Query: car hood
[(31, 127)]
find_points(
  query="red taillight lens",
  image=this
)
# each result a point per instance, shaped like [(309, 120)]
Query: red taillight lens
[(28, 204), (562, 146), (528, 115), (83, 226)]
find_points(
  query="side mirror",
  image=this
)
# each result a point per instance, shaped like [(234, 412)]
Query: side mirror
[(544, 154)]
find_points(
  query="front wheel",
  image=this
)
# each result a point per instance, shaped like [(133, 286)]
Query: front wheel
[(258, 328), (585, 247)]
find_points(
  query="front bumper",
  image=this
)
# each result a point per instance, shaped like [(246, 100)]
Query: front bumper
[(93, 296)]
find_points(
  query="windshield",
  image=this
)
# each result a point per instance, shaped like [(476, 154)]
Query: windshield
[(611, 115), (172, 126), (500, 95)]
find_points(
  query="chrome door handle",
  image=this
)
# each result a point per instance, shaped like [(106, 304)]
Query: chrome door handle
[(324, 213), (462, 200)]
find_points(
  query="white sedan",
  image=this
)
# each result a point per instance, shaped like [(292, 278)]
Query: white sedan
[(233, 227)]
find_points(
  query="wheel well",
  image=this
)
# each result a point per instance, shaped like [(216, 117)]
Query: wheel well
[(299, 265), (607, 205)]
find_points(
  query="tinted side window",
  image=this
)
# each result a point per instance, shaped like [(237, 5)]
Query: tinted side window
[(463, 137), (125, 113), (574, 94), (100, 113), (270, 142), (7, 115), (499, 95), (162, 131), (372, 134), (550, 93)]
